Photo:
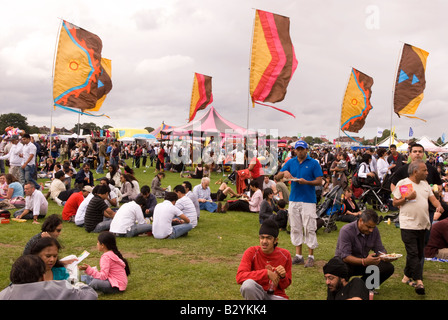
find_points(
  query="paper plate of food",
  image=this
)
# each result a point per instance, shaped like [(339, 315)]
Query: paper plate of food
[(390, 256)]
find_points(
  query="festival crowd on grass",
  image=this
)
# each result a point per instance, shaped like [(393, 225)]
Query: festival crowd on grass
[(285, 191)]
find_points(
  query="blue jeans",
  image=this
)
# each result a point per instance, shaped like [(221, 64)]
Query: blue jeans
[(180, 229), (28, 175), (101, 165), (102, 226), (209, 206), (99, 285), (137, 229)]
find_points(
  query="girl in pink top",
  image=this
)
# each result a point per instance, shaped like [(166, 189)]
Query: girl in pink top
[(114, 269)]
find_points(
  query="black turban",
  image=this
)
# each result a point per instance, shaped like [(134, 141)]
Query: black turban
[(336, 267), (269, 227)]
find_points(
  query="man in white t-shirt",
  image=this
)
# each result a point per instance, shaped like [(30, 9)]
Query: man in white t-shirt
[(164, 214), (189, 193), (36, 205), (185, 205), (129, 220), (411, 195), (28, 167), (81, 212), (267, 183)]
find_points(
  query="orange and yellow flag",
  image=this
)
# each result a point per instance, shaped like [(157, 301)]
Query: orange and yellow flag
[(81, 76), (356, 104)]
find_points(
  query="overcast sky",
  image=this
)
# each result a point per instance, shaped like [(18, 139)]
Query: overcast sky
[(156, 46)]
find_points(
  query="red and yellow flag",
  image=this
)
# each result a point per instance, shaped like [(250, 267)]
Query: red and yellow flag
[(201, 95), (410, 82), (273, 59)]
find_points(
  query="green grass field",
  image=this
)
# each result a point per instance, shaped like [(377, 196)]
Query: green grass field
[(203, 265)]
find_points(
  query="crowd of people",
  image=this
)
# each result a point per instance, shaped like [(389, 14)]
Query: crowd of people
[(284, 192)]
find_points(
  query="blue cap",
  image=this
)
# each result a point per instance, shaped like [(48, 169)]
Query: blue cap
[(301, 144)]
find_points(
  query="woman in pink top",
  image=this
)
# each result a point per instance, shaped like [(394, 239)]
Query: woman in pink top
[(114, 269), (247, 204)]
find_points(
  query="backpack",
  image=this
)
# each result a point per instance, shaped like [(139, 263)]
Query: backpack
[(356, 180)]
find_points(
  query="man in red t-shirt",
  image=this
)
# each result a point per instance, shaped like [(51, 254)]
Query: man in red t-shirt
[(265, 270), (73, 202)]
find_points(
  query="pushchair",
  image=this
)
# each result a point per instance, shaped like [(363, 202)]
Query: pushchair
[(231, 178), (328, 211), (375, 193)]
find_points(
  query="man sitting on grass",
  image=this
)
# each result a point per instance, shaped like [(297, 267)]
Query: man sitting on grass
[(202, 192), (265, 270), (165, 215), (36, 205)]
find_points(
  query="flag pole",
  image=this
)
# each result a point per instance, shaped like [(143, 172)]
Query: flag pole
[(248, 85), (52, 78), (393, 93), (249, 69)]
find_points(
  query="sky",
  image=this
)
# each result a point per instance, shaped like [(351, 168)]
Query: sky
[(156, 46)]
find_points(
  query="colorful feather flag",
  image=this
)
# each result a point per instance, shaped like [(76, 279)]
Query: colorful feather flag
[(410, 82), (201, 95), (356, 104), (77, 70), (273, 60)]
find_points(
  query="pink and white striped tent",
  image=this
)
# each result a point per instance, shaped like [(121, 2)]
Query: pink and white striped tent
[(210, 124)]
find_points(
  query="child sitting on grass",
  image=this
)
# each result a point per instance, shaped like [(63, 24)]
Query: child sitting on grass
[(114, 269), (281, 216)]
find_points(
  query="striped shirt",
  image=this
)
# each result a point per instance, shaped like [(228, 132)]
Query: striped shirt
[(94, 213)]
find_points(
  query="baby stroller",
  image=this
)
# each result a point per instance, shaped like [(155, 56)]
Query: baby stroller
[(328, 211), (231, 178), (375, 193)]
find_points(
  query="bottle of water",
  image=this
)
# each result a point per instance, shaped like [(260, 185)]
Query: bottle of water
[(271, 287)]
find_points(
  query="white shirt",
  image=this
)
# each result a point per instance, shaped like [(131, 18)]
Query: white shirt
[(13, 155), (270, 184), (363, 170), (81, 212), (128, 215), (37, 203), (187, 207), (163, 216), (56, 187), (195, 201), (29, 149), (414, 214), (112, 195), (383, 168)]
